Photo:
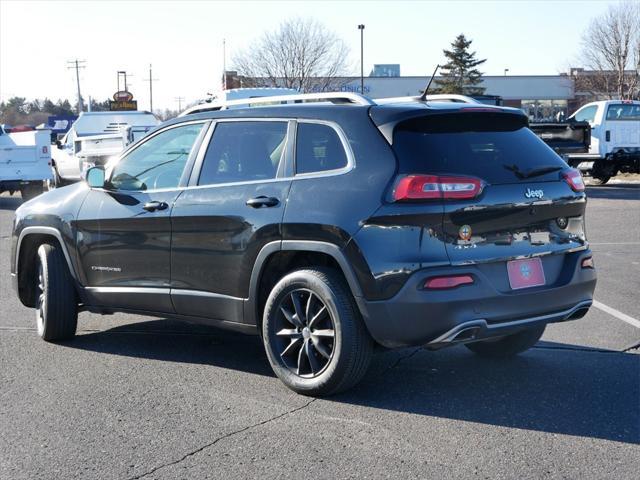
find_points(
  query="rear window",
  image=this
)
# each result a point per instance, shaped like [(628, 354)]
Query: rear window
[(623, 111), (497, 148)]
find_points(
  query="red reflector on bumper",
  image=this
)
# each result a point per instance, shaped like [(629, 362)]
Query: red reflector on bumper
[(440, 283)]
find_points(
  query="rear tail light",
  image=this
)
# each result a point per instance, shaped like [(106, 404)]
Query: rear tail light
[(425, 187), (451, 281), (588, 262), (574, 178)]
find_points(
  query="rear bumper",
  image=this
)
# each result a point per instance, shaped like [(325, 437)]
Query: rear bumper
[(437, 318)]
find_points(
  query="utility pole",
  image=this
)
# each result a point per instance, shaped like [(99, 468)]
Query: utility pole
[(151, 80), (77, 64), (361, 28), (179, 100)]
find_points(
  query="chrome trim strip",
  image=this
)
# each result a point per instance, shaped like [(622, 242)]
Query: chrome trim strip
[(272, 101), (161, 290), (487, 327), (202, 293), (545, 253), (152, 290)]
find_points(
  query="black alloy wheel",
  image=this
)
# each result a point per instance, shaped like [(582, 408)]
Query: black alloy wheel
[(305, 333)]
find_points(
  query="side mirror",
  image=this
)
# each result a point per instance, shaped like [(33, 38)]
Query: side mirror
[(95, 177), (59, 144)]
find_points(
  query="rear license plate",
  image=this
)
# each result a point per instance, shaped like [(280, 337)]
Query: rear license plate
[(525, 273)]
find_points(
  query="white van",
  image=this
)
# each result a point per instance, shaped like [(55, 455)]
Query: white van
[(25, 162), (615, 137), (96, 137)]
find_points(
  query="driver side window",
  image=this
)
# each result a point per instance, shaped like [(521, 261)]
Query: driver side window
[(587, 114), (158, 162)]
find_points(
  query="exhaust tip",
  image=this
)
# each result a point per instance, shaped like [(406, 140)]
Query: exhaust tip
[(465, 335), (581, 312)]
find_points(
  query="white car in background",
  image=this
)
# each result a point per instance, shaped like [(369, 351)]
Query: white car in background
[(25, 162), (615, 138), (95, 138)]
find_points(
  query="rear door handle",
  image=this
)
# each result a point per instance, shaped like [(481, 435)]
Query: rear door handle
[(263, 201), (155, 205)]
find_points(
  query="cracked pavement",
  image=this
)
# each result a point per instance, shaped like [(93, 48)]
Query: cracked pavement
[(139, 398)]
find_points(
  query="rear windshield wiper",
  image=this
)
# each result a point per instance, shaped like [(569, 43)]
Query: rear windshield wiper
[(533, 172)]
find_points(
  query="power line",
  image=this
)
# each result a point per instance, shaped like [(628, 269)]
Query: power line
[(151, 80), (77, 64)]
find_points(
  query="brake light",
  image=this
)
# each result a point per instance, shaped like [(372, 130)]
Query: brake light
[(574, 178), (425, 187), (453, 281)]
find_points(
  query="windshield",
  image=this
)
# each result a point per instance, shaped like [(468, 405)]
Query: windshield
[(495, 152)]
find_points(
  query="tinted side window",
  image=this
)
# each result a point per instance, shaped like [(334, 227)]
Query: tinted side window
[(622, 111), (244, 151), (586, 114), (158, 162), (318, 149)]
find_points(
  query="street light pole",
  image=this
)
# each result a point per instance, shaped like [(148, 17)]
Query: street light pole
[(361, 28)]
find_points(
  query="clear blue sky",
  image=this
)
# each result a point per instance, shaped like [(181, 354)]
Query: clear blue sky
[(183, 39)]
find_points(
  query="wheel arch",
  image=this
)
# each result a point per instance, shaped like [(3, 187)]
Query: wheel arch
[(287, 255), (27, 246)]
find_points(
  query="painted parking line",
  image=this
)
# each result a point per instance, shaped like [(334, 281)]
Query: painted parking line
[(616, 313)]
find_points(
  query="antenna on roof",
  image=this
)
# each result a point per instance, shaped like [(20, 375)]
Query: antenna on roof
[(423, 97)]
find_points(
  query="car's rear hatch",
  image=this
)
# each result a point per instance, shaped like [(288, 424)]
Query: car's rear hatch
[(504, 192)]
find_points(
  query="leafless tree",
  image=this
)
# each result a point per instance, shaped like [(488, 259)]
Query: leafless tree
[(611, 48), (301, 54)]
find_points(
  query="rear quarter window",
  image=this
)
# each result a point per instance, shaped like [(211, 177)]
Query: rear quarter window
[(318, 149), (623, 111)]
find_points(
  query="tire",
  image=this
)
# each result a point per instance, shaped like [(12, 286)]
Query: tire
[(31, 190), (56, 305), (55, 182), (599, 180), (508, 346), (326, 351)]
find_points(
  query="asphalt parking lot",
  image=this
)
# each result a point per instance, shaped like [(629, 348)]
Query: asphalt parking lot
[(132, 397)]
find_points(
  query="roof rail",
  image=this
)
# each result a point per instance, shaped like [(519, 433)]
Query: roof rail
[(445, 97), (332, 97)]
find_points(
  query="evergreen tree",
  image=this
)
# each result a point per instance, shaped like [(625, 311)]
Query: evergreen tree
[(459, 74)]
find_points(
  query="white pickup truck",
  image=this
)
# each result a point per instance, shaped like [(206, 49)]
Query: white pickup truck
[(96, 137), (25, 162), (615, 139)]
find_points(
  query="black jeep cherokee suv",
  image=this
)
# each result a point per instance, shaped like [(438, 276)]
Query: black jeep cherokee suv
[(325, 227)]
